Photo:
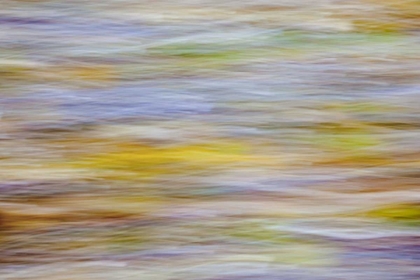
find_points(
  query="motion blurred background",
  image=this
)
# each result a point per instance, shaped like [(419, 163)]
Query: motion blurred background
[(209, 140)]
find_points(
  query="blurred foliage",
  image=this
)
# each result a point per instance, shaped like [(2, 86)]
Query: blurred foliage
[(381, 27), (14, 73), (259, 233), (407, 214), (197, 51), (361, 107), (349, 137), (147, 161), (127, 240), (300, 39)]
